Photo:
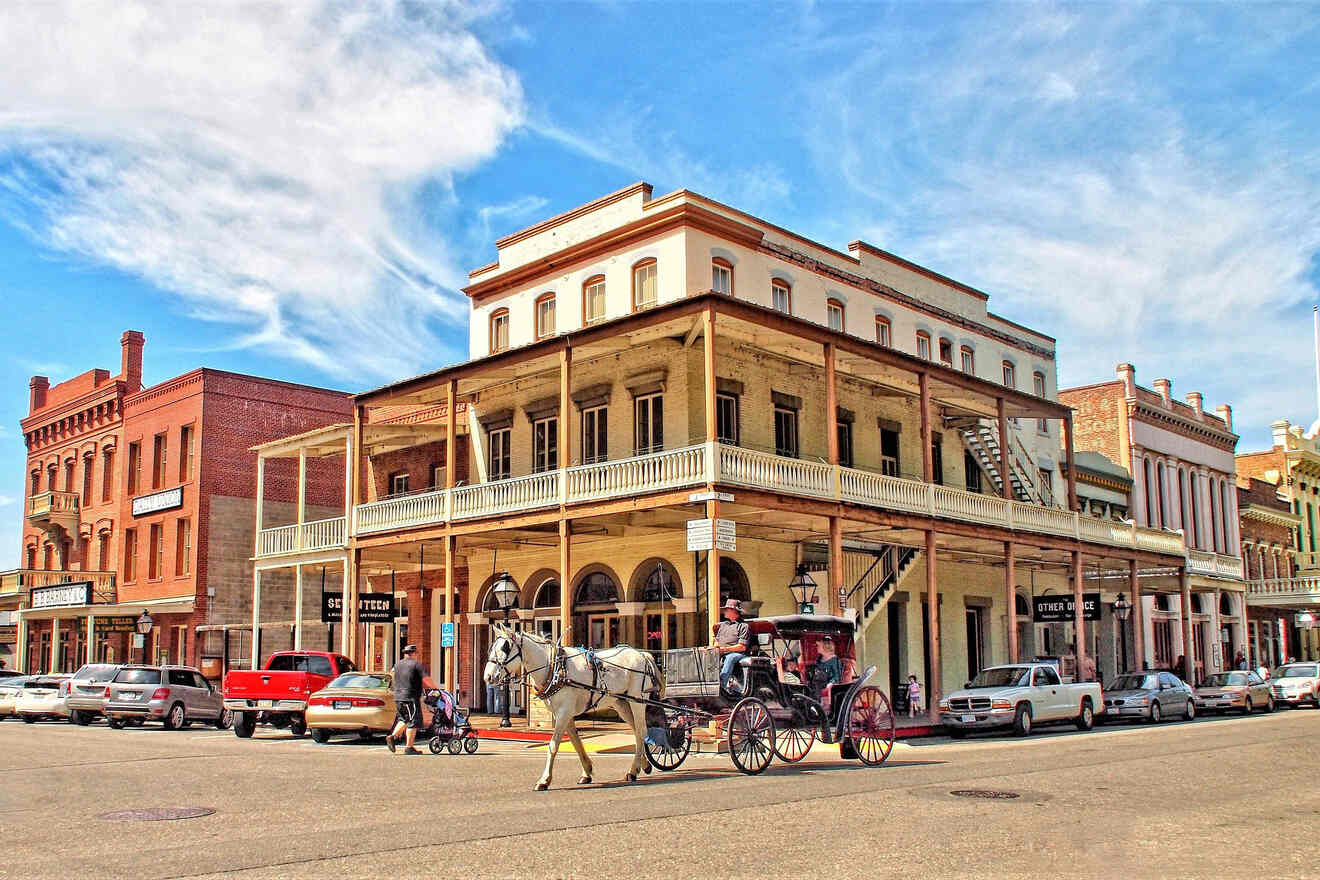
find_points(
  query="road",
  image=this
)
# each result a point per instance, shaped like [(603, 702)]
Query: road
[(1215, 798)]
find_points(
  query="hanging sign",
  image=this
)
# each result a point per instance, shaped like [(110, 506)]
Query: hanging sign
[(125, 624), (1061, 609), (157, 501), (372, 608), (332, 607), (62, 594), (707, 534)]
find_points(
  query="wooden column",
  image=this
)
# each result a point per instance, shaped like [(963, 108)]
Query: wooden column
[(1004, 471), (565, 580), (345, 596), (55, 645), (350, 606), (91, 640), (1138, 618), (836, 565), (349, 528), (260, 503), (831, 407), (302, 496), (934, 687), (255, 659), (708, 349), (1072, 465), (565, 411), (1079, 621), (927, 463), (712, 577), (451, 653), (297, 606), (451, 432), (1185, 587), (1010, 596)]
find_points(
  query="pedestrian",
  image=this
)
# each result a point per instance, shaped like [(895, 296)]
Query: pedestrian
[(914, 696), (1240, 661), (1180, 667), (410, 677)]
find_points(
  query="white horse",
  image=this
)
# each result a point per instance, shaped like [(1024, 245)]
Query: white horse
[(620, 673)]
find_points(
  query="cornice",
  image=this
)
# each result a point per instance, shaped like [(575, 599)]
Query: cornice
[(1269, 515), (1221, 437)]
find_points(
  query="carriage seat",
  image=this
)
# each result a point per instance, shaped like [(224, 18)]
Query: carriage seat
[(757, 662)]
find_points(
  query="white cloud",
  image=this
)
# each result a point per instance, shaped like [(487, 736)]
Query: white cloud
[(250, 157), (6, 500)]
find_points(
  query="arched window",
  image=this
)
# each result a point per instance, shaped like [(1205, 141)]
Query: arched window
[(923, 345), (1195, 510), (1151, 510), (499, 331), (593, 299), (659, 582), (1038, 389), (1214, 516), (733, 581), (781, 296), (1224, 513), (547, 595), (1226, 604), (1023, 607), (834, 314), (597, 588), (883, 331), (946, 352), (645, 287), (1159, 487), (1010, 374), (968, 358), (545, 315), (721, 276)]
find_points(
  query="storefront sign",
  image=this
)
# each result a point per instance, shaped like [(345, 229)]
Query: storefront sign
[(332, 608), (116, 624), (61, 595), (372, 608), (1061, 609), (158, 501), (706, 534)]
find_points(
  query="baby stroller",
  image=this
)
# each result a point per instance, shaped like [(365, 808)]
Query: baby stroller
[(449, 724)]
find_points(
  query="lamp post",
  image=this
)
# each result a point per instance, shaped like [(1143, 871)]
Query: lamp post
[(506, 597), (144, 625), (803, 589), (1122, 608)]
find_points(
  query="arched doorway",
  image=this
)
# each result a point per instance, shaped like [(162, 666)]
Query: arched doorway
[(545, 606), (596, 607), (733, 581), (656, 585)]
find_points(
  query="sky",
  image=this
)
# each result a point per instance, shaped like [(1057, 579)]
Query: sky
[(298, 190)]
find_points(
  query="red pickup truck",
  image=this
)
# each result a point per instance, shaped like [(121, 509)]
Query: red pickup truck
[(277, 695)]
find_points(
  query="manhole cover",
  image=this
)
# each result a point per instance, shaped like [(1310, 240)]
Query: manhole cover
[(988, 794), (157, 814)]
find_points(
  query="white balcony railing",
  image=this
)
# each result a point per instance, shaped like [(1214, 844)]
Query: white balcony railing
[(402, 512), (1213, 564), (321, 534), (1284, 591), (506, 496), (671, 469)]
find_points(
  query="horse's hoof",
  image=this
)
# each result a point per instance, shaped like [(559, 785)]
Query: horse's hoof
[(631, 777), (647, 769), (542, 786), (585, 780)]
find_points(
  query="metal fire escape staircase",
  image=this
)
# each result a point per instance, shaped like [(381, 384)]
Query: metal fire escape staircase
[(875, 573), (981, 439)]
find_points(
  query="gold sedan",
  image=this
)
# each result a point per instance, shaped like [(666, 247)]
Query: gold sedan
[(355, 702)]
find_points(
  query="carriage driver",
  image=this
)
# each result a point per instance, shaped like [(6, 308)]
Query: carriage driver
[(731, 640)]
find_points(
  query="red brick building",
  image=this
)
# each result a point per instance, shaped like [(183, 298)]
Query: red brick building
[(146, 496)]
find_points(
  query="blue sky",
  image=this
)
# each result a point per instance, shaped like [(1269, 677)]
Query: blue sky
[(299, 190)]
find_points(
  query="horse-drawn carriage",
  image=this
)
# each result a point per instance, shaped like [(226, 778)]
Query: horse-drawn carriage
[(785, 699)]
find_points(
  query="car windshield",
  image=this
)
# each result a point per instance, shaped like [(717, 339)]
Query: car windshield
[(1004, 676), (43, 683), (138, 676), (1134, 683), (360, 680), (96, 672), (1296, 670), (1226, 679)]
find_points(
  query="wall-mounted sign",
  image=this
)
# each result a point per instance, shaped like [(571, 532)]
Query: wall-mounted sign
[(62, 594), (372, 608), (707, 534), (1060, 609), (126, 624), (332, 608), (167, 499), (446, 635)]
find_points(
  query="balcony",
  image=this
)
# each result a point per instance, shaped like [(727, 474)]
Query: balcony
[(1285, 592), (697, 465), (1214, 564), (322, 534), (58, 509), (20, 580)]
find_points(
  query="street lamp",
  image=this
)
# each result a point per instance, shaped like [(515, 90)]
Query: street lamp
[(144, 625), (803, 589), (1122, 608), (506, 597)]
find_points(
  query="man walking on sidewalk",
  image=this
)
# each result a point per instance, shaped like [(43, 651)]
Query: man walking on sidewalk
[(409, 679)]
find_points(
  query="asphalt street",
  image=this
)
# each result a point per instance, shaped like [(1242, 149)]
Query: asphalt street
[(1230, 797)]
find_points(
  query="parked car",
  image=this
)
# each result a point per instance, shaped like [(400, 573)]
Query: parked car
[(1149, 696), (85, 692), (42, 699), (1244, 691), (176, 696), (1020, 696), (10, 673), (278, 694), (10, 688), (1295, 683), (355, 702)]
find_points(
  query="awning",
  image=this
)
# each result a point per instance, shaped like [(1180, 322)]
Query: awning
[(173, 605)]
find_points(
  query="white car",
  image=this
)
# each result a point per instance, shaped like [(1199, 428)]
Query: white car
[(10, 688), (1020, 696), (42, 697), (1296, 683)]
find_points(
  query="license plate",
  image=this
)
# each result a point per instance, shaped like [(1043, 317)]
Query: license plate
[(265, 704), (342, 704), (968, 719), (129, 698)]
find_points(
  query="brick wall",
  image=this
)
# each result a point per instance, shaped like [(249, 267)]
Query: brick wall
[(1098, 419)]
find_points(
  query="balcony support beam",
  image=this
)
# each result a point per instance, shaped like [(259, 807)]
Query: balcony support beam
[(302, 494), (451, 432), (1005, 475), (1188, 672), (927, 461), (260, 503), (565, 580), (836, 565), (451, 653), (712, 577), (1010, 598), (565, 410), (1138, 618), (831, 406), (934, 687), (708, 351), (1079, 613), (1072, 464)]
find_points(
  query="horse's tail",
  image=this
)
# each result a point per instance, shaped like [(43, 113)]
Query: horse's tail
[(656, 686)]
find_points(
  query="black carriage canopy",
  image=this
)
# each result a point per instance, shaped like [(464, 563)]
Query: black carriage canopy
[(794, 626)]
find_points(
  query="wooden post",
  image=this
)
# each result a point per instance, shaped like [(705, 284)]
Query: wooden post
[(1138, 618), (712, 576), (260, 503), (255, 660), (1188, 672), (1072, 464), (297, 606), (1010, 596), (836, 565), (302, 496), (451, 653), (55, 645), (831, 407), (1079, 622), (565, 580), (451, 432), (934, 687), (346, 596), (1005, 472), (91, 640), (708, 347), (349, 529), (927, 461), (350, 606)]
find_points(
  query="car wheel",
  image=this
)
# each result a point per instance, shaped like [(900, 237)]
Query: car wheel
[(1247, 707), (957, 733), (115, 723), (1269, 703), (81, 718), (1155, 713), (174, 718), (320, 735), (1086, 719), (1022, 720), (225, 720), (367, 735), (29, 719), (298, 726), (245, 723), (1189, 713)]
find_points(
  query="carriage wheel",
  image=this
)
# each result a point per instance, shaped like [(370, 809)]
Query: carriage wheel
[(751, 736), (793, 743), (667, 739), (871, 725)]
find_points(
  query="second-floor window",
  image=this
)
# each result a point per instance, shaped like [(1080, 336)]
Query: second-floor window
[(1038, 388), (1010, 375), (36, 483), (593, 299), (595, 434), (155, 551), (399, 483), (107, 477), (545, 444), (645, 291), (649, 423), (545, 316), (134, 466), (498, 463), (781, 298), (937, 458), (889, 452), (499, 331), (844, 437), (726, 418), (786, 432), (968, 360), (972, 470), (882, 330), (88, 469), (130, 554), (182, 548), (946, 352), (721, 276), (185, 453), (923, 345), (68, 475), (158, 455), (834, 314)]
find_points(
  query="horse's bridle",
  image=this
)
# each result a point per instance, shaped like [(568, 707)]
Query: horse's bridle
[(503, 664)]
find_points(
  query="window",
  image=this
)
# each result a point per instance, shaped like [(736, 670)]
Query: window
[(593, 299), (87, 480), (1010, 375), (889, 452), (937, 458), (545, 444), (1214, 517), (781, 297), (1046, 481), (972, 470), (882, 330), (130, 554), (155, 552), (726, 418), (182, 548), (31, 557), (68, 476), (36, 483), (437, 476), (107, 476), (968, 360), (844, 435), (50, 478), (1196, 513), (48, 558), (1038, 389), (103, 552), (399, 483), (1159, 488), (595, 437), (834, 314), (923, 345), (644, 284), (946, 352), (499, 331), (134, 466), (648, 423), (786, 432), (545, 315), (498, 443), (158, 455), (185, 453), (721, 276)]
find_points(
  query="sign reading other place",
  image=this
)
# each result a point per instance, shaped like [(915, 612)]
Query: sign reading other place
[(1060, 609)]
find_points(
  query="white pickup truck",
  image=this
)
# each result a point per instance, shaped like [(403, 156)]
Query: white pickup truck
[(1020, 696)]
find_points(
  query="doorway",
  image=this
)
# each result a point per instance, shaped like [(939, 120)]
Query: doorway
[(975, 641), (895, 639), (602, 631)]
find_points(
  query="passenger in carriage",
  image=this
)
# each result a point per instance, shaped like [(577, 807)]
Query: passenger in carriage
[(732, 638), (828, 668)]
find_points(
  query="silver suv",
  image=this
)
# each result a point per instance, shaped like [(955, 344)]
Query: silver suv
[(86, 691), (173, 695)]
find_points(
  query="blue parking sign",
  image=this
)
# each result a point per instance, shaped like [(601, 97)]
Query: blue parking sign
[(447, 635)]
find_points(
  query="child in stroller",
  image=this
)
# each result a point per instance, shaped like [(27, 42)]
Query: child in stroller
[(449, 724)]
